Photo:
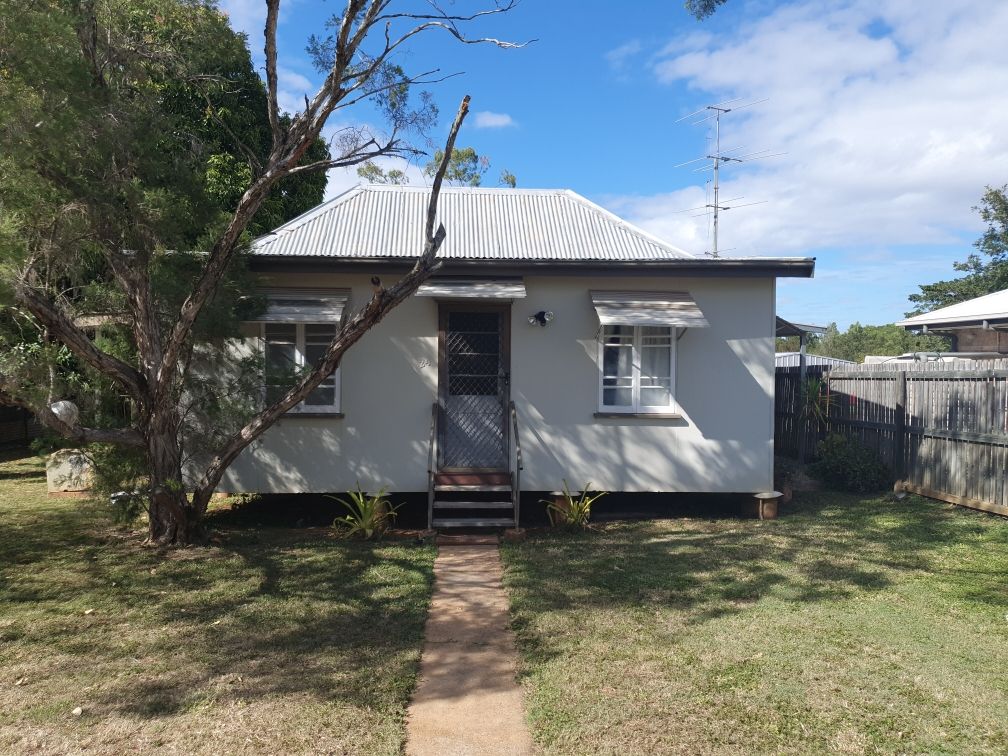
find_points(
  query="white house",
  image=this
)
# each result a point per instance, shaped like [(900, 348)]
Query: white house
[(554, 331)]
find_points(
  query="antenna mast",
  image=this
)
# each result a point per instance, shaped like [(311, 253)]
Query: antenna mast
[(715, 112)]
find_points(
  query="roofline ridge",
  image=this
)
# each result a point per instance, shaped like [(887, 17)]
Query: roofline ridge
[(611, 216)]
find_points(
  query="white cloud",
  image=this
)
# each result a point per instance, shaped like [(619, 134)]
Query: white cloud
[(291, 90), (619, 56), (486, 119), (341, 179), (890, 112), (246, 16)]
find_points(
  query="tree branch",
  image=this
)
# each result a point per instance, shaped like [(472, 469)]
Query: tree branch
[(383, 301), (120, 436), (63, 329), (272, 15)]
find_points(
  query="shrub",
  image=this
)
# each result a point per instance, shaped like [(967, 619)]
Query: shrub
[(368, 516), (571, 509), (849, 465)]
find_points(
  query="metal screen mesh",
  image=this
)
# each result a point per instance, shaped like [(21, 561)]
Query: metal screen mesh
[(474, 401)]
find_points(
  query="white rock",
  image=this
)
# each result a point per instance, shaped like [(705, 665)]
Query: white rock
[(68, 470), (66, 411)]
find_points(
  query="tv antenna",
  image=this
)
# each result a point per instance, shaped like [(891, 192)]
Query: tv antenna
[(714, 112)]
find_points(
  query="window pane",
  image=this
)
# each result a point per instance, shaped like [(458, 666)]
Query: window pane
[(617, 397), (281, 358), (281, 333), (323, 396), (319, 333), (656, 362), (655, 336), (314, 353), (656, 396), (617, 361), (617, 334)]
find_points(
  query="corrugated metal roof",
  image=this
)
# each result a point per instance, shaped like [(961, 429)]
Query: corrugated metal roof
[(793, 359), (472, 289), (482, 224), (651, 308), (988, 307)]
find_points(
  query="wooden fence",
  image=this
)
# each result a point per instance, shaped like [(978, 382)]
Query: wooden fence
[(942, 428)]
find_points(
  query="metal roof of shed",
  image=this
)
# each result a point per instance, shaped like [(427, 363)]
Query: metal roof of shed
[(376, 222)]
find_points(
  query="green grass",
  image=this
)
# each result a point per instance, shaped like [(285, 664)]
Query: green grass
[(852, 625), (274, 641)]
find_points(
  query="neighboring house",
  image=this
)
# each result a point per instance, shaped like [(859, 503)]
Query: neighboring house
[(628, 362), (793, 359), (978, 327)]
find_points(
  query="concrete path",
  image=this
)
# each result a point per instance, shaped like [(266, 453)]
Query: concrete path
[(468, 700)]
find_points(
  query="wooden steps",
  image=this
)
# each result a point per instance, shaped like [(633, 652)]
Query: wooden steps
[(469, 499)]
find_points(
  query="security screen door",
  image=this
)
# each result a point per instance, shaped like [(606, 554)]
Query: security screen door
[(473, 387)]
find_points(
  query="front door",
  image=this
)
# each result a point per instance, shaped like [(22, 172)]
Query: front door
[(473, 386)]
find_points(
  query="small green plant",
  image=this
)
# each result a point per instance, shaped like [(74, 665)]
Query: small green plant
[(816, 401), (849, 465), (368, 516), (570, 509)]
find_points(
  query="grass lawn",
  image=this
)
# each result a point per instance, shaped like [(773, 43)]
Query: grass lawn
[(852, 625), (276, 641)]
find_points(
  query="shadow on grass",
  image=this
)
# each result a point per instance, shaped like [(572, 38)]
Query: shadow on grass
[(270, 613), (828, 546)]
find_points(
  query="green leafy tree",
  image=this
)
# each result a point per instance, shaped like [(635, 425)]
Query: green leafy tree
[(374, 174), (986, 272), (860, 340), (138, 155), (702, 9), (465, 168)]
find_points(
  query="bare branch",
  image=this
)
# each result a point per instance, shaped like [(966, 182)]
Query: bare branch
[(383, 301), (272, 14)]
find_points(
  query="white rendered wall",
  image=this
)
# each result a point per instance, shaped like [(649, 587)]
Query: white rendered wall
[(724, 387)]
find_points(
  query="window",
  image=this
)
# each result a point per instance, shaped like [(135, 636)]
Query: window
[(637, 369), (291, 348)]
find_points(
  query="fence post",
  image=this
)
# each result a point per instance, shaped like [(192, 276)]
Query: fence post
[(801, 415), (899, 446)]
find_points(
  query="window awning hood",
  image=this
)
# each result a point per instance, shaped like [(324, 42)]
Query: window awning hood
[(648, 308), (305, 306), (459, 288)]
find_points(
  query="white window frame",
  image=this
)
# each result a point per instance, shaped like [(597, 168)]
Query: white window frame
[(299, 355), (636, 408)]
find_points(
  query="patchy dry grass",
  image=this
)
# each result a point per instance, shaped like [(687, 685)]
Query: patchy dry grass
[(278, 641), (850, 626)]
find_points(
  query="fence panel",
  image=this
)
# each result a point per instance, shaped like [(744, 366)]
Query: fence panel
[(942, 428)]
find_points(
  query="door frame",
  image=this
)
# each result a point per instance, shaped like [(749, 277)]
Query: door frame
[(446, 306)]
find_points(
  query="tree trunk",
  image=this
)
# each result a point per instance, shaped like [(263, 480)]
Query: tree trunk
[(173, 520)]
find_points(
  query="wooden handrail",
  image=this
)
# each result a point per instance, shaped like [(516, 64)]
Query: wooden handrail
[(431, 464), (519, 466)]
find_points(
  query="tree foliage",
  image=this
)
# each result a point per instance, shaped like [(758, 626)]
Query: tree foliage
[(986, 272), (139, 153), (860, 340)]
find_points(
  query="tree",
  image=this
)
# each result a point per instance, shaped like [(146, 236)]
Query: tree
[(702, 9), (983, 276), (374, 174), (466, 167), (102, 178), (860, 340)]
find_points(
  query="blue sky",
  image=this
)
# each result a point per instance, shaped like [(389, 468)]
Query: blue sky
[(890, 113)]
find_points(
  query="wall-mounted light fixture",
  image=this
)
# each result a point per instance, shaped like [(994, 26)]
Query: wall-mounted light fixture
[(541, 318)]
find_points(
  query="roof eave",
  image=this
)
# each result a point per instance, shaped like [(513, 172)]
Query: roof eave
[(780, 267)]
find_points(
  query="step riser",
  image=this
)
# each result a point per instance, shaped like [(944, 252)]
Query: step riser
[(474, 523), (473, 505)]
